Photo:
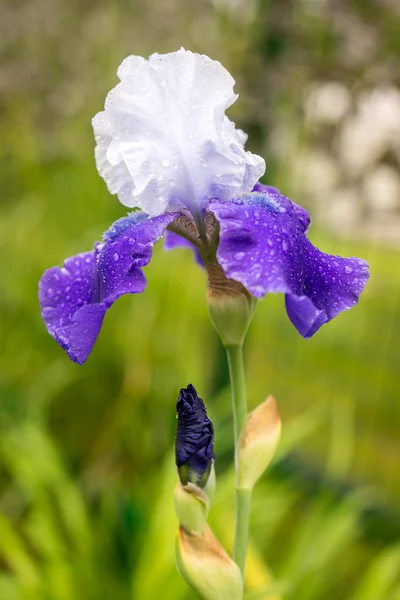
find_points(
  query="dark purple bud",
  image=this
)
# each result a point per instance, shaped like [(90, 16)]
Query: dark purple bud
[(194, 439)]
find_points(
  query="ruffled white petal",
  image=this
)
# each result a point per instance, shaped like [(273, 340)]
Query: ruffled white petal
[(163, 139)]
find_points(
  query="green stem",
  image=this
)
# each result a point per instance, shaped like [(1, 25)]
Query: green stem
[(243, 511), (243, 497)]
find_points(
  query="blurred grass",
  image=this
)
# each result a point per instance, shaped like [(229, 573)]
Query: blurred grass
[(86, 469)]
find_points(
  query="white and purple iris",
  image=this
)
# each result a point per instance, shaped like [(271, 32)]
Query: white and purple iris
[(166, 147)]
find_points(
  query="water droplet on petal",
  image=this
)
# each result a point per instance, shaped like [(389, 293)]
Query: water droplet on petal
[(348, 269), (239, 256), (131, 241), (165, 163), (116, 256), (284, 246), (50, 292)]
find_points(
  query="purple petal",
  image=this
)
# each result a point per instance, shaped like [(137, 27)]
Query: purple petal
[(303, 215), (78, 338), (305, 317), (263, 245), (74, 299), (172, 240)]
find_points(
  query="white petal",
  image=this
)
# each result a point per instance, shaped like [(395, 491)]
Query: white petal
[(164, 141)]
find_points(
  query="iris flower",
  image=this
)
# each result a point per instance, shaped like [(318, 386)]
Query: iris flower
[(165, 146)]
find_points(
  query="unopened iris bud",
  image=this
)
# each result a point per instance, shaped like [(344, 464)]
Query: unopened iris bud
[(206, 566), (230, 305), (194, 439), (194, 461), (258, 442)]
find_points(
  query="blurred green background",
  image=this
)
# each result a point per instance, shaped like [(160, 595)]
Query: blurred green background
[(86, 453)]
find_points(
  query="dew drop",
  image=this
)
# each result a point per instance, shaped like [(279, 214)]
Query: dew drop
[(131, 241), (116, 257), (50, 292), (348, 269), (284, 246), (239, 256), (165, 163)]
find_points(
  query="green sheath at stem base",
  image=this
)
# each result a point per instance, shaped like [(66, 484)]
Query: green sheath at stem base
[(243, 497)]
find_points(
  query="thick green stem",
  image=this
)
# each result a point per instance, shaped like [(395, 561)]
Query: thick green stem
[(243, 511), (243, 497), (238, 388)]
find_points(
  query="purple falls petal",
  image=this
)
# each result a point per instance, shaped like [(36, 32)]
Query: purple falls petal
[(74, 298), (172, 240), (303, 215), (263, 245)]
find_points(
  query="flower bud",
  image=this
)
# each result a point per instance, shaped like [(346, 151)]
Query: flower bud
[(206, 566), (230, 305), (194, 460), (194, 439), (258, 442)]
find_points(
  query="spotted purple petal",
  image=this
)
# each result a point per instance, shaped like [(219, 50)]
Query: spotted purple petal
[(303, 215), (74, 299), (263, 245)]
